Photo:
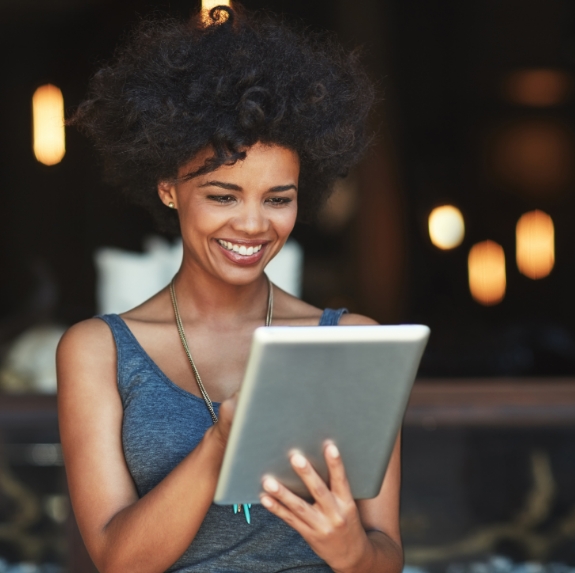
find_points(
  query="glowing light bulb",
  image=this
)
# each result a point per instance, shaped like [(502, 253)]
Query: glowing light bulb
[(486, 267), (48, 120), (535, 244), (209, 4), (446, 227)]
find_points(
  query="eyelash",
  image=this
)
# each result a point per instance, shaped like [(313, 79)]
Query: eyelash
[(279, 200), (221, 198), (226, 199)]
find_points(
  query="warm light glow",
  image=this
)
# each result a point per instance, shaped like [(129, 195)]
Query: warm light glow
[(48, 119), (535, 237), (537, 87), (534, 157), (207, 5), (446, 227), (486, 266)]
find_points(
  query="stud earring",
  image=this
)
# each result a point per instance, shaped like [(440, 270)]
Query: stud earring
[(171, 205)]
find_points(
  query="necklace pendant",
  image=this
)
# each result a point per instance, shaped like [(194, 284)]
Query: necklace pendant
[(246, 508)]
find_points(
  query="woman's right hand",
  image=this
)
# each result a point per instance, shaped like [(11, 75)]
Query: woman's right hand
[(221, 430)]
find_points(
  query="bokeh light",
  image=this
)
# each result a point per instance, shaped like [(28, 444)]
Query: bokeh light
[(209, 4), (539, 87), (535, 157), (535, 244), (446, 227), (48, 119), (486, 268)]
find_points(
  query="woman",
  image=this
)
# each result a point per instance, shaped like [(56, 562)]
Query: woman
[(227, 130)]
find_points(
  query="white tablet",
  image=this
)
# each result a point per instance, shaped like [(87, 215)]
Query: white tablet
[(304, 385)]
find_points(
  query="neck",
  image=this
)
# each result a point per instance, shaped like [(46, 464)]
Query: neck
[(204, 297)]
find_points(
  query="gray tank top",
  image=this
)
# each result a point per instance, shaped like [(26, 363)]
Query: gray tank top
[(162, 424)]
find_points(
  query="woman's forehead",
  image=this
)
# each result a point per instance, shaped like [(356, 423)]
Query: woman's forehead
[(263, 157)]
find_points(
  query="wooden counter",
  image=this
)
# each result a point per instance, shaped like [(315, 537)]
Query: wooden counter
[(492, 402), (439, 402)]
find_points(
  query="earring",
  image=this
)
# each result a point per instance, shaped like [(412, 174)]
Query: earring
[(171, 205)]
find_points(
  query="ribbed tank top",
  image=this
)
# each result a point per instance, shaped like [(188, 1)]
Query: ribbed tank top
[(162, 424)]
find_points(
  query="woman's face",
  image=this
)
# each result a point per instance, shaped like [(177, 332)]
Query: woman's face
[(235, 219)]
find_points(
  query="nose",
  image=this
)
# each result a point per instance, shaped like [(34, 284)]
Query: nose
[(251, 220)]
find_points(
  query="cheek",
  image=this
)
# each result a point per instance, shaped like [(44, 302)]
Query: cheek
[(196, 220), (284, 221)]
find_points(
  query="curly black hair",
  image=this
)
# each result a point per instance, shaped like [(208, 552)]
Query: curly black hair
[(176, 88)]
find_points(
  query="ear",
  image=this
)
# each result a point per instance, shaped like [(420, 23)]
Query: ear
[(167, 193)]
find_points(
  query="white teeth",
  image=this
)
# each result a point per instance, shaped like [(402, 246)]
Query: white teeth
[(240, 249)]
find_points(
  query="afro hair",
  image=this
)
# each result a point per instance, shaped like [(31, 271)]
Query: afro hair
[(176, 88)]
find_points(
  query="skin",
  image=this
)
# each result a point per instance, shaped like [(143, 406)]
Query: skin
[(222, 299)]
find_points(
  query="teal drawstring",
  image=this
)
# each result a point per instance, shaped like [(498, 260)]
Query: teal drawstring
[(246, 507)]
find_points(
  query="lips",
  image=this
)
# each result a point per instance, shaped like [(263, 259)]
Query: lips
[(240, 248), (242, 252)]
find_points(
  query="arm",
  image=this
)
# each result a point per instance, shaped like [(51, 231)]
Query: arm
[(380, 518), (122, 532)]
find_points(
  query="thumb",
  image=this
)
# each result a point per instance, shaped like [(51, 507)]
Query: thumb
[(226, 415)]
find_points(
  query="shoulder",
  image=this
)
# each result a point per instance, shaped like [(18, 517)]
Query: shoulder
[(296, 312), (86, 368), (87, 348), (356, 320), (93, 333), (293, 311)]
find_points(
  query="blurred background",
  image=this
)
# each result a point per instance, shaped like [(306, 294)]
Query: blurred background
[(460, 217)]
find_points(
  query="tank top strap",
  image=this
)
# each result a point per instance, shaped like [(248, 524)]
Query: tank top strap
[(122, 334), (127, 347), (331, 317)]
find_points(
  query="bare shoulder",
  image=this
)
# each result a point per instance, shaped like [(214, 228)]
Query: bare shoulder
[(86, 356), (295, 312), (292, 311), (356, 320), (86, 337)]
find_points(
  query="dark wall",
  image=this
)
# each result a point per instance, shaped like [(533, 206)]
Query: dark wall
[(449, 61), (439, 66)]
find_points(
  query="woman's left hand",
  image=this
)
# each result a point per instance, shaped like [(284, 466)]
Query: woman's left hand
[(332, 524)]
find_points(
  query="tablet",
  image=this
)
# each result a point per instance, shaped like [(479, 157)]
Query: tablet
[(305, 385)]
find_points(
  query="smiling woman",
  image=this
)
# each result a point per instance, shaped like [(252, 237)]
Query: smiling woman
[(234, 221), (227, 132)]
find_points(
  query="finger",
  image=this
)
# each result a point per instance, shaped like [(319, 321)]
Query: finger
[(226, 416), (338, 482), (281, 511), (312, 480), (295, 504)]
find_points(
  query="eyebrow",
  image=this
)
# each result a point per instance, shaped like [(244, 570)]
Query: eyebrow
[(234, 187)]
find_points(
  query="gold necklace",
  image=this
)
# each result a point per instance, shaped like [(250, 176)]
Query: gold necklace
[(182, 334)]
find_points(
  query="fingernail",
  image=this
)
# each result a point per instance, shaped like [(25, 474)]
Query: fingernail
[(266, 501), (298, 461), (270, 484), (332, 451)]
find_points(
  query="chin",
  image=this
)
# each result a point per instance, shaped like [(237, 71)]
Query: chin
[(242, 277)]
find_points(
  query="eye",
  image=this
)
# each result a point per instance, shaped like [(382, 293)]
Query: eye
[(279, 200), (224, 199)]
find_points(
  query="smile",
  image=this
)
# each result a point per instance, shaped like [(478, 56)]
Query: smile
[(240, 249)]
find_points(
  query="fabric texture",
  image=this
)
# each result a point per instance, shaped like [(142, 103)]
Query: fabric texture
[(162, 424)]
